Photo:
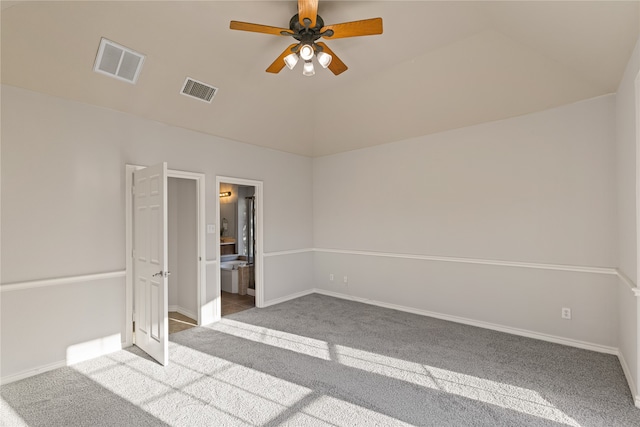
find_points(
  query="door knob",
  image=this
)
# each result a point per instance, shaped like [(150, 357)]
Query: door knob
[(162, 273)]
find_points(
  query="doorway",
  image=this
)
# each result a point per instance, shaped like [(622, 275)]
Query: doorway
[(185, 250), (239, 219)]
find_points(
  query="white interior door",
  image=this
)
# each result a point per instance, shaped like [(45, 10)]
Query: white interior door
[(150, 261)]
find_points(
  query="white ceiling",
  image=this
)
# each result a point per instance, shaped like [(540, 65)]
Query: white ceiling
[(438, 65)]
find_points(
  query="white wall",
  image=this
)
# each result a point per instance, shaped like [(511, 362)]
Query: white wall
[(188, 248), (243, 191), (229, 209), (627, 185), (183, 246), (172, 240), (626, 120), (63, 214), (536, 189)]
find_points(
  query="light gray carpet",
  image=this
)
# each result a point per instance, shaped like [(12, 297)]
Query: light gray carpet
[(318, 360)]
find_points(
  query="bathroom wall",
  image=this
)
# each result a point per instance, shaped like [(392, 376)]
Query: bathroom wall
[(229, 209), (243, 226)]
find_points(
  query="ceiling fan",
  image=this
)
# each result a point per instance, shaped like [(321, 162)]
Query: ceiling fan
[(307, 27)]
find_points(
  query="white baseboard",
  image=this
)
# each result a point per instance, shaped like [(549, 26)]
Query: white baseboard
[(630, 381), (288, 297), (251, 292), (49, 367), (183, 311), (486, 325), (31, 372)]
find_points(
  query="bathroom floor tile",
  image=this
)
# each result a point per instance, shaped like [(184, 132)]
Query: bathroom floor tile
[(233, 303)]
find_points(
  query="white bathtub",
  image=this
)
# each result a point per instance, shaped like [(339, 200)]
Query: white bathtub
[(232, 265), (229, 275)]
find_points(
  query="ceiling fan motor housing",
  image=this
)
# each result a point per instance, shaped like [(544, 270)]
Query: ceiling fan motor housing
[(306, 34)]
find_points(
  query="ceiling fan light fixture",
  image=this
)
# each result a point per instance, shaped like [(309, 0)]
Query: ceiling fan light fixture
[(324, 59), (291, 60), (308, 69), (306, 52)]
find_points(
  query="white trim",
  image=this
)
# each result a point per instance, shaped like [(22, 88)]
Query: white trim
[(128, 209), (259, 255), (251, 292), (211, 261), (50, 367), (21, 286), (291, 252), (517, 264), (635, 289), (32, 372), (289, 297), (486, 325), (183, 311), (626, 280), (630, 382)]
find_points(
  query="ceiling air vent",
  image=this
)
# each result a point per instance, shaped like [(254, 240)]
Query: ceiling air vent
[(198, 90), (118, 61)]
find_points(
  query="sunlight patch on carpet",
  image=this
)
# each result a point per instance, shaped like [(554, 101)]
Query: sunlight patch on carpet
[(327, 410), (504, 395), (284, 340), (483, 390), (194, 386), (9, 417)]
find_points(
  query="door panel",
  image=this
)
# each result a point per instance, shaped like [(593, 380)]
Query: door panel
[(150, 261)]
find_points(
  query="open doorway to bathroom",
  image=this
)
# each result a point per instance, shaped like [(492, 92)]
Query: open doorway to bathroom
[(238, 243)]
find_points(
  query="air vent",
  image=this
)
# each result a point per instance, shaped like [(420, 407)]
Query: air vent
[(198, 90), (118, 61)]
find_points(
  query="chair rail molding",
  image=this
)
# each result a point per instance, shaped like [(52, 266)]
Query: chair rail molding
[(481, 261), (31, 284)]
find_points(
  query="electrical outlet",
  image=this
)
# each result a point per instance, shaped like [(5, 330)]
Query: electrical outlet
[(331, 277), (345, 279), (566, 313)]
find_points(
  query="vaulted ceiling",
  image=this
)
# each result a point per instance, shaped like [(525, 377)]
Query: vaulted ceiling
[(437, 66)]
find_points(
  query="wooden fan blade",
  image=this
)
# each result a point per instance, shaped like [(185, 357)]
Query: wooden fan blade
[(308, 9), (258, 28), (278, 64), (336, 66), (366, 27)]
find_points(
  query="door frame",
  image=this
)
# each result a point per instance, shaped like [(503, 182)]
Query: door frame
[(259, 255), (199, 179)]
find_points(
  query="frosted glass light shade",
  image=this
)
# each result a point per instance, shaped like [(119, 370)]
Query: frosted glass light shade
[(306, 52), (324, 59), (291, 60), (308, 69)]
